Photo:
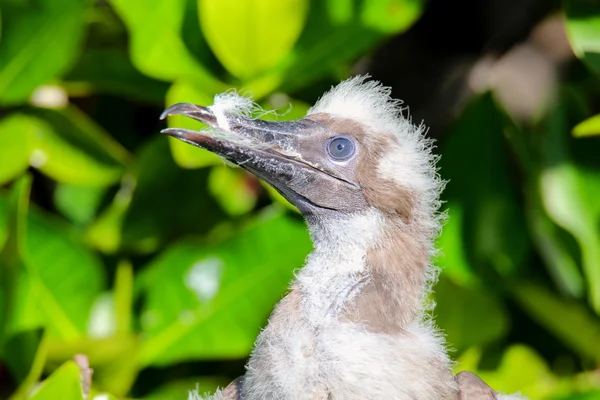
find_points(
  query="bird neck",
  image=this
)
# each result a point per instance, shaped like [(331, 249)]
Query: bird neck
[(366, 268)]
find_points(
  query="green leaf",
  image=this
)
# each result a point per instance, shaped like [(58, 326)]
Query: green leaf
[(19, 352), (34, 369), (561, 264), (468, 316), (64, 145), (235, 189), (63, 384), (337, 32), (535, 153), (453, 258), (521, 370), (110, 71), (525, 372), (569, 194), (154, 204), (70, 148), (209, 301), (589, 127), (583, 29), (390, 16), (3, 221), (566, 319), (492, 222), (105, 233), (79, 130), (15, 131), (113, 359), (157, 48), (251, 37), (58, 298), (78, 203), (123, 294), (162, 207), (38, 44), (61, 295), (55, 157), (588, 395), (14, 211), (23, 352)]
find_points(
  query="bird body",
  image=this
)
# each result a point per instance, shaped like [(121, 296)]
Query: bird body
[(354, 324), (319, 345)]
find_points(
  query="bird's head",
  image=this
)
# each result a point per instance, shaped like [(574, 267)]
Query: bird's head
[(352, 152)]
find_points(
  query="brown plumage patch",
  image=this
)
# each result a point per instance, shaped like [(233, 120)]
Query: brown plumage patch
[(472, 387), (392, 298), (385, 194), (233, 391)]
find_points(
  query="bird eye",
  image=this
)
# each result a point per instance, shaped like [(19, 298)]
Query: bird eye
[(340, 148)]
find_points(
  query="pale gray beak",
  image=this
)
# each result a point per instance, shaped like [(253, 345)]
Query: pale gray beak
[(267, 149)]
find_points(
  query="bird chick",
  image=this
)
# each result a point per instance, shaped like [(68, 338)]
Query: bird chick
[(354, 324)]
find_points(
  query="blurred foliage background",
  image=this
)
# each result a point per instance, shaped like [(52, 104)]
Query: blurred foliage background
[(161, 265)]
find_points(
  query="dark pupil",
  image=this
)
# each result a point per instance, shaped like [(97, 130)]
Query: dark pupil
[(341, 148)]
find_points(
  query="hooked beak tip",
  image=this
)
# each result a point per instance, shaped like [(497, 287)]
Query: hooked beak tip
[(179, 108), (194, 138), (174, 109), (175, 132), (199, 113)]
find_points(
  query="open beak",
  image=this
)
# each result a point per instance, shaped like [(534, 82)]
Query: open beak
[(267, 149)]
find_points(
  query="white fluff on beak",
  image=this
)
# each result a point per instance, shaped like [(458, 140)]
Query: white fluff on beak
[(231, 103)]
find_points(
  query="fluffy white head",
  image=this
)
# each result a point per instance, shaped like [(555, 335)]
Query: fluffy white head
[(409, 161)]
